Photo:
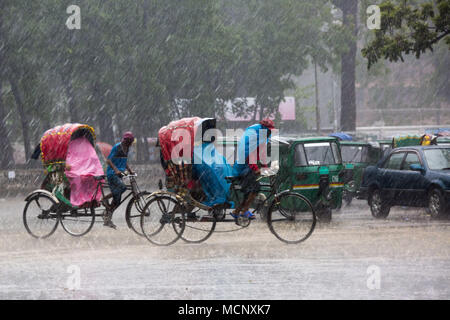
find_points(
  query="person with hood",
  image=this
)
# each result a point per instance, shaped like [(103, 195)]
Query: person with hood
[(246, 165)]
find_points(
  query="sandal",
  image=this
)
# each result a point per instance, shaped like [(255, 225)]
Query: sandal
[(249, 215)]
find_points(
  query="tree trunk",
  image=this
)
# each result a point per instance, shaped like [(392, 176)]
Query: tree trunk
[(316, 81), (6, 156), (348, 96), (23, 116), (72, 105), (68, 88), (104, 117)]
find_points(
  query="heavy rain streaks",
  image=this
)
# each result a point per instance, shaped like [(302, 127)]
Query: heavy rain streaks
[(338, 85)]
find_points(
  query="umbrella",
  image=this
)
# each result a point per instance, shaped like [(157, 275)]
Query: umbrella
[(342, 136), (105, 148)]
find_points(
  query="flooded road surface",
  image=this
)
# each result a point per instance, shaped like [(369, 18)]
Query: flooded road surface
[(406, 256)]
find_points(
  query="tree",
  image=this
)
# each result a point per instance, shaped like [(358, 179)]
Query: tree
[(348, 65), (409, 28)]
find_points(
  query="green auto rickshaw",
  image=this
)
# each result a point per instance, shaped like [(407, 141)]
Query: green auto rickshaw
[(356, 156), (310, 166)]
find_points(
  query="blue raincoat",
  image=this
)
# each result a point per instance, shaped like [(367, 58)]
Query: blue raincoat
[(211, 168)]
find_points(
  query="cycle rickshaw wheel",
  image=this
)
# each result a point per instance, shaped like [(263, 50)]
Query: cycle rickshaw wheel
[(291, 218), (164, 215), (78, 222), (199, 226), (40, 216), (134, 210)]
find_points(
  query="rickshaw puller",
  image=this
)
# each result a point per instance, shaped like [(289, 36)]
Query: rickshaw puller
[(249, 172), (117, 164)]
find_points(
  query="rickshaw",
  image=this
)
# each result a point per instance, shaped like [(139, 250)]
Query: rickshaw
[(73, 188), (356, 156), (200, 190)]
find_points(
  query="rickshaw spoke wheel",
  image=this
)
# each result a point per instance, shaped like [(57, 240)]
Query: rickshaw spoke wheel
[(291, 218), (78, 222), (164, 221), (199, 226), (135, 209), (40, 217)]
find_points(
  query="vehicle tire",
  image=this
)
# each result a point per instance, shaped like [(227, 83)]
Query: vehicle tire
[(40, 216), (324, 215), (199, 226), (379, 208), (158, 225), (78, 222), (437, 207), (134, 210), (291, 218)]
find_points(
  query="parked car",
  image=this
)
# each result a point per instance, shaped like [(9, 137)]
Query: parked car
[(417, 176)]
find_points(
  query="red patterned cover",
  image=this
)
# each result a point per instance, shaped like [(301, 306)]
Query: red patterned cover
[(165, 136), (55, 142)]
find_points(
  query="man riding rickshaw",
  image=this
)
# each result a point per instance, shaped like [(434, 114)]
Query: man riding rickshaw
[(73, 188)]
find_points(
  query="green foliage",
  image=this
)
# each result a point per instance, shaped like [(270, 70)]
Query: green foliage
[(302, 111), (136, 65), (408, 27)]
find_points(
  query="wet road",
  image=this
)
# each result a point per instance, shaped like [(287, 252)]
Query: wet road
[(406, 256)]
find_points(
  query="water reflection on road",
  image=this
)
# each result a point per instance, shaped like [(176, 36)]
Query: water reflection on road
[(410, 251)]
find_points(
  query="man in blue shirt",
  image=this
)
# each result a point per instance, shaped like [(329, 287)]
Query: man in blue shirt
[(117, 164)]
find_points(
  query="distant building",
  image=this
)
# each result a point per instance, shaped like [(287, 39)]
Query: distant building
[(286, 110)]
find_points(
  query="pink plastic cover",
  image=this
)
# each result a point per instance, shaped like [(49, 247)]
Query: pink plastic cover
[(83, 165)]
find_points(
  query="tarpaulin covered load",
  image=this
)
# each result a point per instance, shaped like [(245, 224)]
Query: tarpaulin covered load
[(413, 140), (82, 165), (210, 169), (55, 142)]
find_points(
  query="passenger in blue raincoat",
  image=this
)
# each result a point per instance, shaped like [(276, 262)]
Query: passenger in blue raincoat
[(210, 169)]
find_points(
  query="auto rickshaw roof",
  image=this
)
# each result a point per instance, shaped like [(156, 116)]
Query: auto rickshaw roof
[(354, 143), (292, 140)]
